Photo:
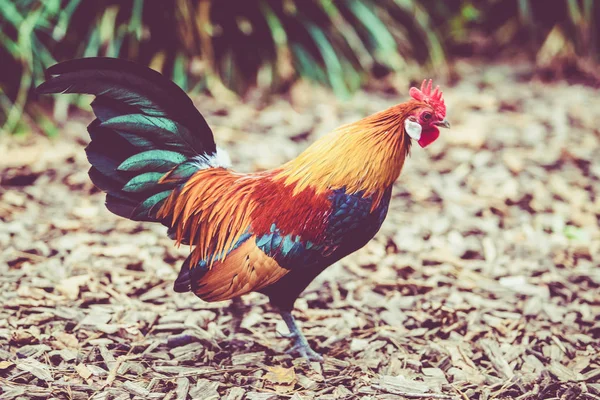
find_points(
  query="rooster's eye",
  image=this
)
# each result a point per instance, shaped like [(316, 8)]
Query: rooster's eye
[(426, 116)]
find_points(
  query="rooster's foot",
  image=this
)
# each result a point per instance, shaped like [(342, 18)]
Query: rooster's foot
[(300, 345), (302, 348)]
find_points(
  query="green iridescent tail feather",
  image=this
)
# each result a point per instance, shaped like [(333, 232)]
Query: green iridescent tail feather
[(145, 126)]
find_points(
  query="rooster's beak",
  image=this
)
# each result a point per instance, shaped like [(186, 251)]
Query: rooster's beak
[(443, 123)]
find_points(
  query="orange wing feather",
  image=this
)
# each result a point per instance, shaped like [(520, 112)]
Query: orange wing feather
[(212, 211), (245, 269)]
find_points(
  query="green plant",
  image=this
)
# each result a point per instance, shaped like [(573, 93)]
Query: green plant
[(518, 24), (216, 44), (235, 45), (23, 54)]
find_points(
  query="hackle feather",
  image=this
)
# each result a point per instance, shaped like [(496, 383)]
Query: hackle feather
[(365, 156)]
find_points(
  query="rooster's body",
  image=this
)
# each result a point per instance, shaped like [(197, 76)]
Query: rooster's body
[(274, 231)]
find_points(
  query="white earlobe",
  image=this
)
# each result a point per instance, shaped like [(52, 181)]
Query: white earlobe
[(413, 129)]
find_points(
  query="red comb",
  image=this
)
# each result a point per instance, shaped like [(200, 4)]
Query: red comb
[(434, 99)]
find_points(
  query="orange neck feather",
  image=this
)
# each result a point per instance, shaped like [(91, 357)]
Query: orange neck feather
[(366, 155)]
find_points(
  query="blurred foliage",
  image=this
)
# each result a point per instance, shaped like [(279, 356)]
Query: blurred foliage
[(231, 45)]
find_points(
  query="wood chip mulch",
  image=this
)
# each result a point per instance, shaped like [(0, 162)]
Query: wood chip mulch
[(484, 282)]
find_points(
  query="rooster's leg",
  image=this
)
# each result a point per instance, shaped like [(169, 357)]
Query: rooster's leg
[(301, 345), (238, 307)]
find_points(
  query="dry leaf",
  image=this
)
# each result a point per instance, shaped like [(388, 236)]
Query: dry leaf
[(280, 378), (83, 371), (6, 365), (35, 368), (67, 339)]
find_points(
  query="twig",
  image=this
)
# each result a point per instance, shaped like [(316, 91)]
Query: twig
[(414, 395)]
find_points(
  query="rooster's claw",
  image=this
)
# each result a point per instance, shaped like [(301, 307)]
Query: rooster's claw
[(304, 350)]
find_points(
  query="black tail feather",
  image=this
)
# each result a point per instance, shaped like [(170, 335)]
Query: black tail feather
[(145, 125), (133, 87)]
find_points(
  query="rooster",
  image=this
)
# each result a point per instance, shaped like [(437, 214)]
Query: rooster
[(271, 232)]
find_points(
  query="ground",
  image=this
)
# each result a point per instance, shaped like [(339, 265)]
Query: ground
[(483, 282)]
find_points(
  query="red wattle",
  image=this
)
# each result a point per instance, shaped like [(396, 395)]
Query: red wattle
[(429, 136)]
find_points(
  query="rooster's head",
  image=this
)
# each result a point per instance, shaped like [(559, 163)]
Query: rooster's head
[(422, 125)]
